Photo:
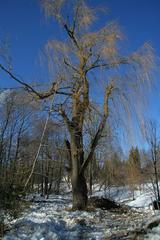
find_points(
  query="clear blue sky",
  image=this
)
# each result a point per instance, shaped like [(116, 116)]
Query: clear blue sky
[(23, 22)]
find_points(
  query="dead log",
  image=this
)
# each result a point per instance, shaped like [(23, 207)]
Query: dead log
[(103, 203)]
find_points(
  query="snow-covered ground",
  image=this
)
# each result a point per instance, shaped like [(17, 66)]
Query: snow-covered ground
[(53, 219)]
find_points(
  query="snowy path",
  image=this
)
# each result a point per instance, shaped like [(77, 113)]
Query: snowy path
[(51, 220)]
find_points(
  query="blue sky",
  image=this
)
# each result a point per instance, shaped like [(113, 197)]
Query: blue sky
[(24, 24)]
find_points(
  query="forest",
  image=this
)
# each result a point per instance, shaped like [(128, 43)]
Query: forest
[(69, 167)]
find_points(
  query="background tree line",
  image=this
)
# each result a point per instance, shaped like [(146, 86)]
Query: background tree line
[(108, 169)]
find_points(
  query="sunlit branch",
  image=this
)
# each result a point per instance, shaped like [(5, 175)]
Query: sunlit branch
[(29, 88), (109, 65)]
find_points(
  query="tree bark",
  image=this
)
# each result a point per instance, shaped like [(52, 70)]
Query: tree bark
[(79, 192), (78, 181)]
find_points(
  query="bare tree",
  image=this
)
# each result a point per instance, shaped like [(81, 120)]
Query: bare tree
[(75, 60), (50, 163), (152, 137), (15, 116)]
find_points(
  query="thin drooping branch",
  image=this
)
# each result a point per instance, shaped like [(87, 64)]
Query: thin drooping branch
[(100, 129), (75, 17)]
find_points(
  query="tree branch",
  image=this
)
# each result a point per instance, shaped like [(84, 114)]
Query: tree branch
[(72, 67), (108, 65), (71, 35), (65, 117), (100, 129), (68, 147), (29, 88)]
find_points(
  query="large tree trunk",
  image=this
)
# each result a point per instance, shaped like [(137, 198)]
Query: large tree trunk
[(78, 181), (75, 128), (79, 192)]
